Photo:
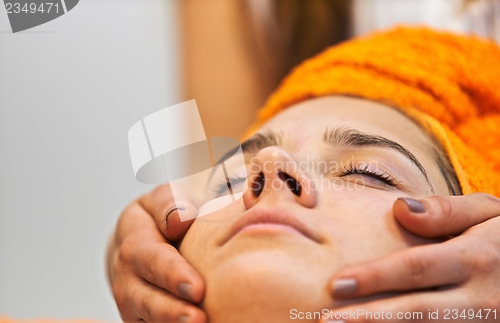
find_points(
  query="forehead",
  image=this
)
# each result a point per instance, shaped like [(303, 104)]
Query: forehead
[(311, 118)]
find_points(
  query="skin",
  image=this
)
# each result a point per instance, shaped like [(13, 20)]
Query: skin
[(463, 271), (145, 270), (265, 270)]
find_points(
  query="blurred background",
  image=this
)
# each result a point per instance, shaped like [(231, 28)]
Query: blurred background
[(70, 90)]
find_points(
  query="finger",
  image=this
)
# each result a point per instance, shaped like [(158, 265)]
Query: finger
[(409, 269), (175, 226), (140, 246), (165, 210), (128, 221), (161, 264), (419, 307), (440, 216), (151, 304)]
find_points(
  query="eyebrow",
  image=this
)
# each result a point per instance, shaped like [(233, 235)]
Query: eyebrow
[(261, 140), (353, 138), (335, 137), (254, 144)]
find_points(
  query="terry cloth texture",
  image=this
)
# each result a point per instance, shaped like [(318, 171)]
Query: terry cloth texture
[(448, 83)]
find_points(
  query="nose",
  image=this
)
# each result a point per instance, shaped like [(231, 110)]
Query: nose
[(276, 175)]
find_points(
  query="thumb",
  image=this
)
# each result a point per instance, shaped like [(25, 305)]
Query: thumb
[(441, 216), (175, 227), (168, 212)]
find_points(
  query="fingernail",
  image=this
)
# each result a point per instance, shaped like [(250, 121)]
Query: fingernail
[(174, 208), (183, 319), (170, 210), (185, 291), (345, 287), (414, 205)]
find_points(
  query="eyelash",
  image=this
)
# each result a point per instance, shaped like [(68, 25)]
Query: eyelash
[(221, 186), (357, 170)]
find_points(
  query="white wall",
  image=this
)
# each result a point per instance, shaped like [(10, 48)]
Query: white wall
[(69, 91), (481, 17)]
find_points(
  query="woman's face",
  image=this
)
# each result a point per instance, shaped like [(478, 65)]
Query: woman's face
[(323, 176)]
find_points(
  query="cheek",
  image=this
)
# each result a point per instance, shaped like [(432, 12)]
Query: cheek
[(203, 235), (361, 226)]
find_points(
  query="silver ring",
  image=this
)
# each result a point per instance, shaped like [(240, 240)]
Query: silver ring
[(172, 209)]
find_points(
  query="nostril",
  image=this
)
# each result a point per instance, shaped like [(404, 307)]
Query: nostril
[(258, 184), (291, 182)]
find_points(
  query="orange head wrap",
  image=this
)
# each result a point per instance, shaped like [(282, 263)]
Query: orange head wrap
[(447, 83)]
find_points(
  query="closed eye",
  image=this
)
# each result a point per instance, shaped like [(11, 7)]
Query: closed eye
[(234, 184), (365, 171)]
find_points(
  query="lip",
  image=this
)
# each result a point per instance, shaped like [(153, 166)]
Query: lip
[(274, 216)]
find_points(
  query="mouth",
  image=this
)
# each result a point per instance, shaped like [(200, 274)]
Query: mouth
[(272, 220)]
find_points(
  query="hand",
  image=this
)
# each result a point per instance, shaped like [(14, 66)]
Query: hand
[(150, 280), (462, 273)]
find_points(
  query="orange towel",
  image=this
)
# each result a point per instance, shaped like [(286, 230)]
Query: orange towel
[(450, 84)]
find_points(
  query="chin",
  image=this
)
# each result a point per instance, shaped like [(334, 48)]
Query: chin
[(265, 286)]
